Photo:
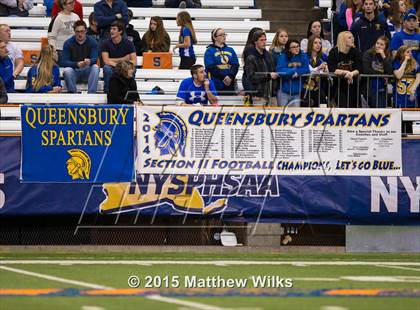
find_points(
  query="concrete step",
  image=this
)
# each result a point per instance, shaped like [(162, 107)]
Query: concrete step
[(279, 4), (296, 27), (293, 14)]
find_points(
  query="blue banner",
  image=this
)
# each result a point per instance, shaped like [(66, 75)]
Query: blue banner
[(77, 143), (287, 199)]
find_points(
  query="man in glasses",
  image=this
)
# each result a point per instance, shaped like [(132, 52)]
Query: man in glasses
[(79, 57)]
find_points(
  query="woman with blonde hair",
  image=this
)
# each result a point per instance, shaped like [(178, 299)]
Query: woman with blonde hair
[(407, 74), (122, 85), (44, 76), (277, 45), (345, 61), (156, 39), (187, 39)]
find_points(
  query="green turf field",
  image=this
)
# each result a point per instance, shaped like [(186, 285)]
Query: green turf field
[(95, 281)]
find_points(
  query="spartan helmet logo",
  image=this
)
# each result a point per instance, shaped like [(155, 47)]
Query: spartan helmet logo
[(78, 166), (171, 133), (224, 59)]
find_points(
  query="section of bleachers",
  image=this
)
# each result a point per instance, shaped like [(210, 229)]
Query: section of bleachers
[(207, 14), (143, 25)]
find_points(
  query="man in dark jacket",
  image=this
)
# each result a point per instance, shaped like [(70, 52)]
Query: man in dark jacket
[(260, 71), (134, 36), (107, 12), (369, 27)]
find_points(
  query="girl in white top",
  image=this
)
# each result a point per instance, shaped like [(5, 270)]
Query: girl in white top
[(61, 27), (315, 28)]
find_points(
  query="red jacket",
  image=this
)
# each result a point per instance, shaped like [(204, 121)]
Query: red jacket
[(78, 9)]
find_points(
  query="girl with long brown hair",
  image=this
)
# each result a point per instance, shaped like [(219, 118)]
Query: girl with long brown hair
[(44, 76), (407, 73), (156, 39), (187, 39)]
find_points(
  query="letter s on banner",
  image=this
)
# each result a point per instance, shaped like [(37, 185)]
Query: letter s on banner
[(2, 195)]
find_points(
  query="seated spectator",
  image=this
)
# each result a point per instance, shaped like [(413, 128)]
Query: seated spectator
[(115, 49), (187, 39), (44, 76), (183, 4), (407, 73), (291, 65), (221, 63), (156, 39), (345, 61), (139, 3), (3, 92), (260, 71), (122, 85), (408, 36), (107, 12), (133, 35), (315, 28), (77, 9), (79, 59), (278, 44), (316, 87), (61, 27), (197, 89), (93, 27), (6, 68), (15, 7), (15, 53), (377, 61)]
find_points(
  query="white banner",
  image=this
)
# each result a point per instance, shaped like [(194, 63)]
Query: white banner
[(276, 141)]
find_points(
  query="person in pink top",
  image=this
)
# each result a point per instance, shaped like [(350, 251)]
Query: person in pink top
[(353, 8)]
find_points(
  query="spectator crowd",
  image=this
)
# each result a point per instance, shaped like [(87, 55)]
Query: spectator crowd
[(378, 40)]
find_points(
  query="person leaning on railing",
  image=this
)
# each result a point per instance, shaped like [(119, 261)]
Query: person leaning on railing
[(260, 71), (290, 67), (377, 61), (345, 61), (407, 73), (316, 87)]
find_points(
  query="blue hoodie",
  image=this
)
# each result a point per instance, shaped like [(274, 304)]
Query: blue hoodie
[(287, 68), (6, 73), (221, 62)]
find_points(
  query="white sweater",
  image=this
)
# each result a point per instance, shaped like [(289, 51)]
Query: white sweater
[(61, 29)]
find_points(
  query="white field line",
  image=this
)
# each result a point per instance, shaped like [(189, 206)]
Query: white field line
[(398, 267), (195, 305), (192, 304), (212, 262), (53, 278)]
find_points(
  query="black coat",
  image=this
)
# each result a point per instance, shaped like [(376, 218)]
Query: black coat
[(118, 88), (258, 68)]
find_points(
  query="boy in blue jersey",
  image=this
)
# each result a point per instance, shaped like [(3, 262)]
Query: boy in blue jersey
[(197, 90), (408, 36)]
